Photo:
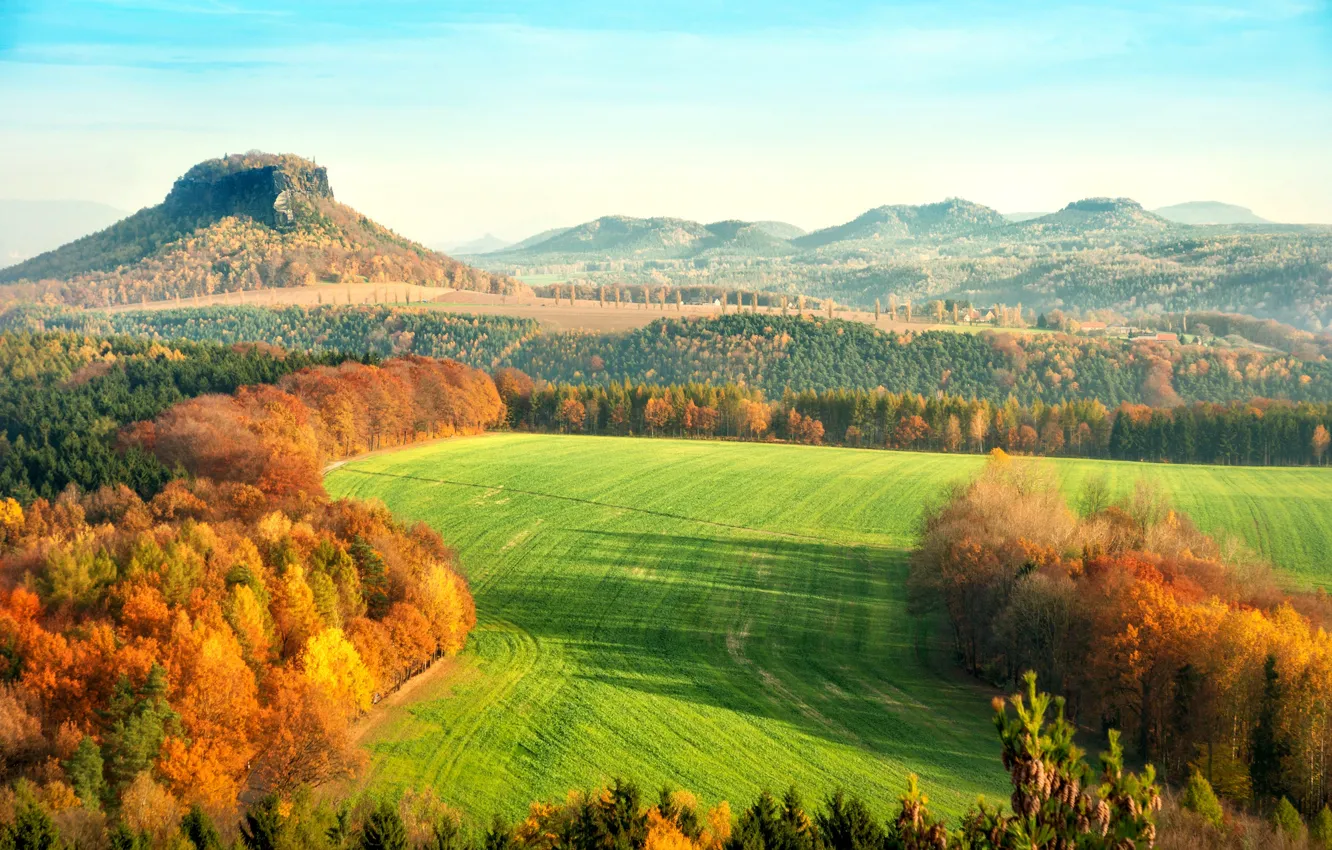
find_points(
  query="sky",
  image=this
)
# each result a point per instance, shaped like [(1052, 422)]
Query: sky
[(447, 120)]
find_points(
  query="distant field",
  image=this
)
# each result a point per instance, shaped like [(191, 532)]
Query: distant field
[(583, 315), (717, 616), (542, 279)]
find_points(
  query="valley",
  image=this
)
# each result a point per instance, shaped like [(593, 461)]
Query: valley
[(711, 615)]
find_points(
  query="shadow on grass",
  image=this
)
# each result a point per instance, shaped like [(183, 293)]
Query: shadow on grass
[(807, 633)]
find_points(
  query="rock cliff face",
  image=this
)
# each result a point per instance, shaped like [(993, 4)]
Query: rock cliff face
[(269, 194)]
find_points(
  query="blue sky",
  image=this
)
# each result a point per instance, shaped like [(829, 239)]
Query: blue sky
[(449, 119)]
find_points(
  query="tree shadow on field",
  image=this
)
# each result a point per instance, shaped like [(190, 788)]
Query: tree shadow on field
[(802, 632)]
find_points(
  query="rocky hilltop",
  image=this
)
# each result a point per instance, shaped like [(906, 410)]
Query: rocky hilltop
[(244, 221), (272, 190)]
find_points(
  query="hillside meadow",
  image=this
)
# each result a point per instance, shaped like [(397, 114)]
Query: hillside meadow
[(718, 616)]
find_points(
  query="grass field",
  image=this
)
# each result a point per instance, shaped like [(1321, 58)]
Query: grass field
[(717, 616)]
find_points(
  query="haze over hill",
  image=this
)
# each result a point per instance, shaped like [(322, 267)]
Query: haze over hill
[(481, 245), (27, 228), (1093, 215), (1209, 212), (244, 221), (620, 236)]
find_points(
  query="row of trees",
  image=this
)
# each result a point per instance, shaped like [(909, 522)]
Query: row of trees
[(1203, 664), (221, 635), (1260, 432)]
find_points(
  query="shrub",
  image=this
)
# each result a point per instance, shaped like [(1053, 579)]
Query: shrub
[(1321, 830), (1201, 800), (1287, 821)]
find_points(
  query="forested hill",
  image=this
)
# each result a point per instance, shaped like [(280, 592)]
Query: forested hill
[(780, 353), (768, 352), (241, 222), (379, 330)]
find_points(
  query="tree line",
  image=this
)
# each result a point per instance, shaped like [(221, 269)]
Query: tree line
[(777, 353), (1257, 432)]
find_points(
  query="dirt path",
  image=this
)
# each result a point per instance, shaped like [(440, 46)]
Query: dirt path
[(329, 467), (385, 708)]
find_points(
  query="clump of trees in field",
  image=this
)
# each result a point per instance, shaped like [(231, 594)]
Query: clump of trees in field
[(1260, 432), (1202, 662)]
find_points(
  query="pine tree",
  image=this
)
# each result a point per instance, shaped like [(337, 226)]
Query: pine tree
[(263, 825), (846, 824), (84, 769), (198, 828), (1269, 751), (1287, 821), (1200, 799), (1320, 832), (32, 829), (383, 829)]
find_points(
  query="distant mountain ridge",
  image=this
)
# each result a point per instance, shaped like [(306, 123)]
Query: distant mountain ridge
[(1098, 214), (622, 236), (481, 245), (244, 221), (953, 217), (1209, 212), (619, 237)]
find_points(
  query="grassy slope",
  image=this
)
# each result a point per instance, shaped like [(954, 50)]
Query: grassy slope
[(614, 641)]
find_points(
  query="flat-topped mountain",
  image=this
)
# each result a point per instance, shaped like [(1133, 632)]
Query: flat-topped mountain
[(1209, 212), (1098, 214), (271, 190), (245, 221)]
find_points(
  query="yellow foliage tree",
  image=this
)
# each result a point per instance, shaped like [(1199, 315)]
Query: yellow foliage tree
[(334, 666)]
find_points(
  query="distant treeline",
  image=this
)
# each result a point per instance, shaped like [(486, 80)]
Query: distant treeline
[(380, 330), (1258, 432)]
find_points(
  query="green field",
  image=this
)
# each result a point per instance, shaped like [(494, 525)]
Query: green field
[(718, 616)]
